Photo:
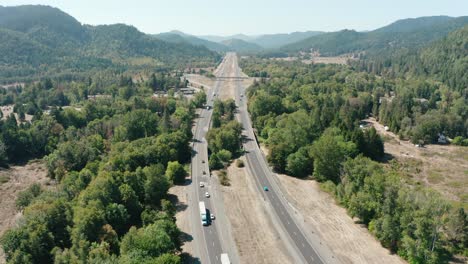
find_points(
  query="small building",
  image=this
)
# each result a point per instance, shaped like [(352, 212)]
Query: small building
[(442, 139)]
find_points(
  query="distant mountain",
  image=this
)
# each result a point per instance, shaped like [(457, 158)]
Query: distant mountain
[(242, 46), (38, 40), (220, 39), (268, 41), (413, 24), (407, 33), (273, 41), (180, 37)]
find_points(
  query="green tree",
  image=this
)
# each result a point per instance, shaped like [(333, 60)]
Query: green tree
[(329, 151), (175, 172)]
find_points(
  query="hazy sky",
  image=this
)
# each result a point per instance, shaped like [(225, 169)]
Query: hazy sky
[(250, 16)]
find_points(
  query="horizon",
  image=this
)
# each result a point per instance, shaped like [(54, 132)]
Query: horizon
[(154, 17)]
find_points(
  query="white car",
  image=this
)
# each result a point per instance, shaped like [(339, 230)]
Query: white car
[(207, 195), (202, 184), (212, 217)]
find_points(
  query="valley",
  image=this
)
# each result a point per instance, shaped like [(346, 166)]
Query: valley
[(125, 141)]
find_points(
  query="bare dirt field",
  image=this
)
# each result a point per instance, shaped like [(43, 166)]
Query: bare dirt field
[(254, 234), (197, 80), (349, 242), (19, 178), (441, 167)]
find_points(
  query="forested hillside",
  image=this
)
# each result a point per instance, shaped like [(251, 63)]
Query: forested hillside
[(309, 116), (242, 46), (444, 60), (180, 37), (113, 159), (409, 34), (430, 97), (41, 41)]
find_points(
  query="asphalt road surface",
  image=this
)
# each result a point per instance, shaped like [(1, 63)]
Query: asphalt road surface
[(208, 239), (263, 178)]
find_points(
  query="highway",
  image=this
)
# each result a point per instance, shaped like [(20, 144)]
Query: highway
[(212, 240), (259, 169)]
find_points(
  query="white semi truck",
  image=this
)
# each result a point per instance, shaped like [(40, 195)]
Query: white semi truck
[(225, 259), (203, 215)]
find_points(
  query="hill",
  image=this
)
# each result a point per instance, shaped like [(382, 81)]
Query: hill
[(445, 60), (242, 46), (220, 39), (412, 24), (47, 25), (41, 40), (273, 41), (180, 37), (408, 33)]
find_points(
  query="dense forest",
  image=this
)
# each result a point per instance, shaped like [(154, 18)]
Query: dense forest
[(310, 116), (38, 41), (113, 160)]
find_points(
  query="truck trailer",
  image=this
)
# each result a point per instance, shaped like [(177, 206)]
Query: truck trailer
[(225, 259), (203, 215)]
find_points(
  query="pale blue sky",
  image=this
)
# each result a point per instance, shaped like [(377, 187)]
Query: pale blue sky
[(250, 16)]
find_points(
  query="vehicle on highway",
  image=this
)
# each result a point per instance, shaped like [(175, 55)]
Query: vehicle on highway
[(212, 217), (202, 184), (225, 259), (265, 188), (207, 195), (204, 217), (204, 172), (203, 161)]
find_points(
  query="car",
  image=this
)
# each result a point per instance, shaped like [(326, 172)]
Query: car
[(204, 172), (265, 188), (212, 217), (203, 161), (207, 195), (202, 185)]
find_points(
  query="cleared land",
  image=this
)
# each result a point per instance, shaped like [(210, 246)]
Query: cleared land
[(17, 179), (441, 167), (254, 234)]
